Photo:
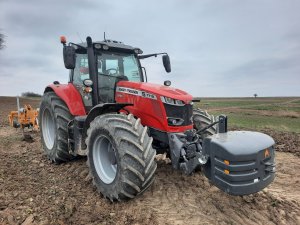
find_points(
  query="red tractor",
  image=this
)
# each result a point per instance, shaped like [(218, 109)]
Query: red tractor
[(109, 113)]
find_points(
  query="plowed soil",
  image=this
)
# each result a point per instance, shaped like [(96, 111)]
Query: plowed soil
[(34, 191)]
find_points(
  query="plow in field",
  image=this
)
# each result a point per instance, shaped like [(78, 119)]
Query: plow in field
[(24, 117)]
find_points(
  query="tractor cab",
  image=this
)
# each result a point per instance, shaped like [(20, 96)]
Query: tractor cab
[(102, 65)]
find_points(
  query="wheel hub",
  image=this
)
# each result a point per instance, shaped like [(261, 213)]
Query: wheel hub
[(104, 159), (48, 129)]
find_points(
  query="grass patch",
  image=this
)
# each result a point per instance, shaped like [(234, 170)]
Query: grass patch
[(260, 122), (282, 114), (263, 103), (238, 103), (275, 107)]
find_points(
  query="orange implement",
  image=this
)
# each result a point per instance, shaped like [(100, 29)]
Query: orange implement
[(26, 117)]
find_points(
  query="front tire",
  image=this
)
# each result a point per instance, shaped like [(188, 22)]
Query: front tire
[(120, 156), (202, 119), (54, 117)]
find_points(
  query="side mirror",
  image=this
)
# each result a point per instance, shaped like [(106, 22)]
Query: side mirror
[(69, 57), (166, 62), (87, 82)]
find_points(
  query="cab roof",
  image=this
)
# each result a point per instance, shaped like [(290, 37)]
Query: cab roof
[(111, 44)]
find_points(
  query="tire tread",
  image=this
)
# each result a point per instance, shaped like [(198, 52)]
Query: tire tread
[(62, 118), (137, 157)]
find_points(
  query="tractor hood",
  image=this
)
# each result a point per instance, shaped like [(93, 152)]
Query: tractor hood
[(157, 89)]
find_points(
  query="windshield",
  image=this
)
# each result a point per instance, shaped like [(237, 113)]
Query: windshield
[(119, 64)]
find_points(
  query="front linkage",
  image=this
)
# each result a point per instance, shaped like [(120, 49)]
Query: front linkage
[(188, 146)]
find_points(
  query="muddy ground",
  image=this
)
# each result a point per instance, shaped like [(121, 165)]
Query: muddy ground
[(34, 191)]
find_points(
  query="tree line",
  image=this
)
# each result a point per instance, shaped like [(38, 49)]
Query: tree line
[(1, 40), (30, 94)]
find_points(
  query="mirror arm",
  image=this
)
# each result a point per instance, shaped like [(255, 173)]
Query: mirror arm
[(151, 55)]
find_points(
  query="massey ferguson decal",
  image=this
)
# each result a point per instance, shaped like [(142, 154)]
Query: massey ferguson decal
[(136, 92)]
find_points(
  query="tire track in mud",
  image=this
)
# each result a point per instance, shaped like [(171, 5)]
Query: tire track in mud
[(177, 199)]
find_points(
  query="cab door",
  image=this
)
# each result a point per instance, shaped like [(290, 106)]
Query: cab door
[(80, 73), (108, 69)]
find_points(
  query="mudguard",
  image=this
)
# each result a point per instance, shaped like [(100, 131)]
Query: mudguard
[(70, 95), (97, 111), (240, 162)]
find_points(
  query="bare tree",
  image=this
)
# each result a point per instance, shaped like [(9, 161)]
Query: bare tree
[(2, 41), (255, 95)]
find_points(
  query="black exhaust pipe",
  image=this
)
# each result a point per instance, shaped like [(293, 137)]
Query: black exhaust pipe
[(92, 69)]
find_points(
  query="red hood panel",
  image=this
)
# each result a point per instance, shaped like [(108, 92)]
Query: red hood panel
[(157, 89)]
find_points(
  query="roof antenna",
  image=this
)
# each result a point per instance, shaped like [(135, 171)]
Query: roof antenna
[(104, 36), (79, 37)]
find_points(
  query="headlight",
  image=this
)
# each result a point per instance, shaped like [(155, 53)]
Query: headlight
[(97, 46), (175, 121), (138, 51), (105, 47), (172, 101)]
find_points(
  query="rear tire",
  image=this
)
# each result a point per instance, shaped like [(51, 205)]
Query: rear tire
[(54, 117), (120, 156), (202, 119)]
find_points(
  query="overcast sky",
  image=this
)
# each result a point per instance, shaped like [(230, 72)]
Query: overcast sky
[(217, 48)]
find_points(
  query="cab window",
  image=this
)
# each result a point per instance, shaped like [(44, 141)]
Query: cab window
[(119, 64), (131, 69), (81, 71)]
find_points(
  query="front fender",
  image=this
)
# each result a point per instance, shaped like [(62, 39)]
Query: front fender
[(97, 111), (70, 95)]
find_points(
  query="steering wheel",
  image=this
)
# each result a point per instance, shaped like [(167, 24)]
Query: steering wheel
[(112, 71)]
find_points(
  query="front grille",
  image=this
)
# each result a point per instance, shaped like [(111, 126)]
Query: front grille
[(182, 112)]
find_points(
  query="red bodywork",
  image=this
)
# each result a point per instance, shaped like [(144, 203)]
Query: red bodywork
[(71, 96), (151, 110)]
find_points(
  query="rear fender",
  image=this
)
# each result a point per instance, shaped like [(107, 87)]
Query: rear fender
[(70, 95)]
